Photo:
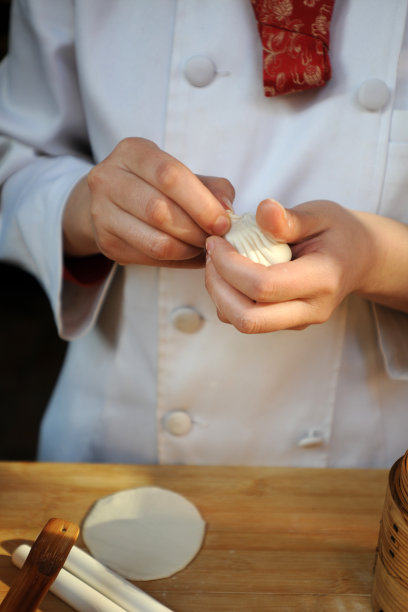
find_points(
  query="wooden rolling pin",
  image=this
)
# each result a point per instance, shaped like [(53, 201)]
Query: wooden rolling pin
[(40, 568), (87, 585), (71, 589)]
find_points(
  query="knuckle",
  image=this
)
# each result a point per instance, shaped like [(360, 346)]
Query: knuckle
[(222, 317), (98, 213), (332, 285), (108, 244), (262, 290), (167, 175), (320, 318), (157, 213), (299, 327), (132, 143), (96, 177), (161, 248), (322, 312), (245, 323), (126, 145)]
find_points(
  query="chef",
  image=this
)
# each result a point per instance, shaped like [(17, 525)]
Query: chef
[(127, 130)]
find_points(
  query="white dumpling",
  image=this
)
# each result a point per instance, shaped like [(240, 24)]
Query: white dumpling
[(249, 240)]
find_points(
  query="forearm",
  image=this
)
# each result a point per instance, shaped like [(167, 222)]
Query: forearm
[(386, 281)]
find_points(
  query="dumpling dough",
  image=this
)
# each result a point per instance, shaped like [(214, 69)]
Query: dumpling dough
[(145, 533)]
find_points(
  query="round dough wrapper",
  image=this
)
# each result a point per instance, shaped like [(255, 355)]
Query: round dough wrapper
[(145, 533)]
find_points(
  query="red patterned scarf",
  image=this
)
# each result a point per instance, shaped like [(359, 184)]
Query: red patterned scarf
[(295, 36)]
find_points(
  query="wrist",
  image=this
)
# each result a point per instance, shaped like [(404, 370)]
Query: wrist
[(385, 277), (77, 226)]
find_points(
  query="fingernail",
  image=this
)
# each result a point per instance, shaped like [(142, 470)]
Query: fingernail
[(283, 209), (227, 202), (221, 226), (209, 247)]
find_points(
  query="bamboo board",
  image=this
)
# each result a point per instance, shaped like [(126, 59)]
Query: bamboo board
[(277, 538)]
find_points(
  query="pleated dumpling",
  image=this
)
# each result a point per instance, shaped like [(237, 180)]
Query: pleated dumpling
[(249, 240)]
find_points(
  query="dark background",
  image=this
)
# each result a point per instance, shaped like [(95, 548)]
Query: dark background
[(31, 353)]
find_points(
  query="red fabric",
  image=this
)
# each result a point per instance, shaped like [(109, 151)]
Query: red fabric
[(295, 35), (86, 271)]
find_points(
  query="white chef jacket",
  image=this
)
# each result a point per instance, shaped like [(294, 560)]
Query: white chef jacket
[(151, 374)]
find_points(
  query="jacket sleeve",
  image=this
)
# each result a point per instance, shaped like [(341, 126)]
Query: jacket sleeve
[(44, 151)]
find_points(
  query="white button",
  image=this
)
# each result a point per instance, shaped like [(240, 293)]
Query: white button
[(373, 94), (186, 319), (177, 422), (313, 437), (200, 71)]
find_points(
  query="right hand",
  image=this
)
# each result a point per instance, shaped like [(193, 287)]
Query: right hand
[(142, 206)]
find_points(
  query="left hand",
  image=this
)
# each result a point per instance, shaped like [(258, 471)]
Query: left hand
[(332, 255)]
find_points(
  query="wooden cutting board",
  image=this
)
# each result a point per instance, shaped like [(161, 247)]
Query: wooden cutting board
[(278, 539)]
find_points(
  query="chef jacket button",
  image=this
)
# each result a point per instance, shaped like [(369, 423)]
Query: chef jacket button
[(313, 437), (200, 71), (177, 422), (373, 94), (186, 319)]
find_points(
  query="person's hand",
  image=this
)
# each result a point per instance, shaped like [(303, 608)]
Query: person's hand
[(141, 205), (332, 251)]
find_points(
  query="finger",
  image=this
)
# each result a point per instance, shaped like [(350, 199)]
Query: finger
[(194, 263), (293, 224), (300, 278), (221, 188), (124, 237), (133, 256), (143, 201), (176, 181), (222, 318), (253, 318)]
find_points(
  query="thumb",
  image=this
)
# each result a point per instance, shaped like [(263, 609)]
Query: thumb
[(221, 188), (289, 224)]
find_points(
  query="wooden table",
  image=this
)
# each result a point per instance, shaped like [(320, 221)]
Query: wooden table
[(277, 538)]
